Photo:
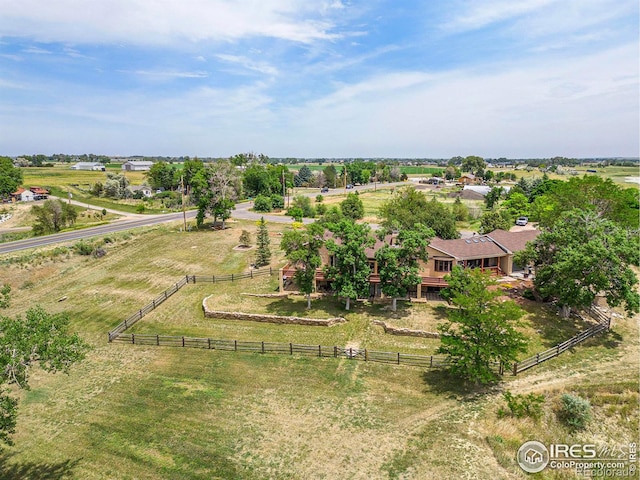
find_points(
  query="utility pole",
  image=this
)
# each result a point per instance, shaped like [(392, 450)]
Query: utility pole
[(184, 212), (344, 182)]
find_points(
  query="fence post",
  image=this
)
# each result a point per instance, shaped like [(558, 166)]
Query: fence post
[(251, 273), (158, 340), (133, 338), (319, 350), (209, 343), (537, 358), (431, 362), (366, 355), (515, 368), (183, 341), (350, 353), (125, 324), (235, 345), (213, 279), (398, 358), (270, 270), (232, 277), (335, 351), (262, 347), (291, 349), (154, 303)]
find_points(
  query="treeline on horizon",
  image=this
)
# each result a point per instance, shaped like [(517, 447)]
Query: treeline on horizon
[(41, 160)]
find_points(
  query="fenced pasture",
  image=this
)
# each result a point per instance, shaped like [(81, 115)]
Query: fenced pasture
[(118, 335)]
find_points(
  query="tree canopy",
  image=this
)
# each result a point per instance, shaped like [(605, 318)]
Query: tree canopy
[(352, 206), (52, 216), (583, 255), (398, 264), (10, 177), (350, 271), (301, 247), (481, 330), (39, 339), (216, 189), (409, 206)]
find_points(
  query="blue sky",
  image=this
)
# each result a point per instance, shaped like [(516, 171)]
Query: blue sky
[(307, 78)]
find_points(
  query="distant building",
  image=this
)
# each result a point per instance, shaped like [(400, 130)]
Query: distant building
[(146, 191), (467, 179), (22, 195), (136, 166), (39, 193), (94, 166)]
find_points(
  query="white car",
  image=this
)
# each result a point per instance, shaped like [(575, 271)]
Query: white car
[(522, 221)]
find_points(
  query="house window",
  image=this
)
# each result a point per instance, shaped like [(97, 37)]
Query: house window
[(475, 263), (443, 265), (372, 266), (332, 261), (491, 262)]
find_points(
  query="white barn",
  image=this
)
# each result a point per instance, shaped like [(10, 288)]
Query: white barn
[(136, 166), (94, 166)]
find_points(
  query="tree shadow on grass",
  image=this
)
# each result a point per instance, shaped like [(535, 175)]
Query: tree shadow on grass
[(606, 339), (27, 470), (441, 382), (552, 328)]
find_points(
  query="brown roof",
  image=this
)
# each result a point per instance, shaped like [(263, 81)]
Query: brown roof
[(479, 246), (514, 241)]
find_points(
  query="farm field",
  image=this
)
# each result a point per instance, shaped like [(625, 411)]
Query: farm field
[(146, 412)]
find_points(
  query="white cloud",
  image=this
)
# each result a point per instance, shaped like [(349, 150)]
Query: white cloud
[(166, 74), (164, 21), (247, 63), (477, 14)]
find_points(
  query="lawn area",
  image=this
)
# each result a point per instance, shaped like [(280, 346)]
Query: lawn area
[(147, 412)]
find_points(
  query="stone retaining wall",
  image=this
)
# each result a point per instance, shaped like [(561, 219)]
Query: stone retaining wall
[(405, 331), (259, 317)]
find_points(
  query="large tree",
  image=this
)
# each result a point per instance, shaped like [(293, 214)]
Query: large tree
[(10, 177), (40, 339), (409, 206), (581, 256), (352, 206), (302, 249), (591, 194), (481, 330), (52, 216), (216, 189), (350, 270), (162, 175), (398, 264)]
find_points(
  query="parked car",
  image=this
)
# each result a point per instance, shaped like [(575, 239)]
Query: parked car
[(324, 189), (349, 186), (522, 221)]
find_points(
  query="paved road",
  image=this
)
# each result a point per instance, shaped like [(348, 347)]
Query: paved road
[(136, 220), (116, 226)]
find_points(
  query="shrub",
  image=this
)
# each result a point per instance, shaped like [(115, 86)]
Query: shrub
[(277, 201), (321, 209), (575, 411), (99, 252), (319, 198), (262, 203), (141, 208), (519, 406), (83, 248)]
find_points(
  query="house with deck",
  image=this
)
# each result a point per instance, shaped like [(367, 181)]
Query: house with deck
[(492, 252)]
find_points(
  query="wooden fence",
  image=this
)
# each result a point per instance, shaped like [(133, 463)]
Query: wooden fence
[(426, 361), (156, 302), (397, 358), (604, 324)]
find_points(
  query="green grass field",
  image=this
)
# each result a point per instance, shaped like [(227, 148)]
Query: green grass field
[(146, 412)]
